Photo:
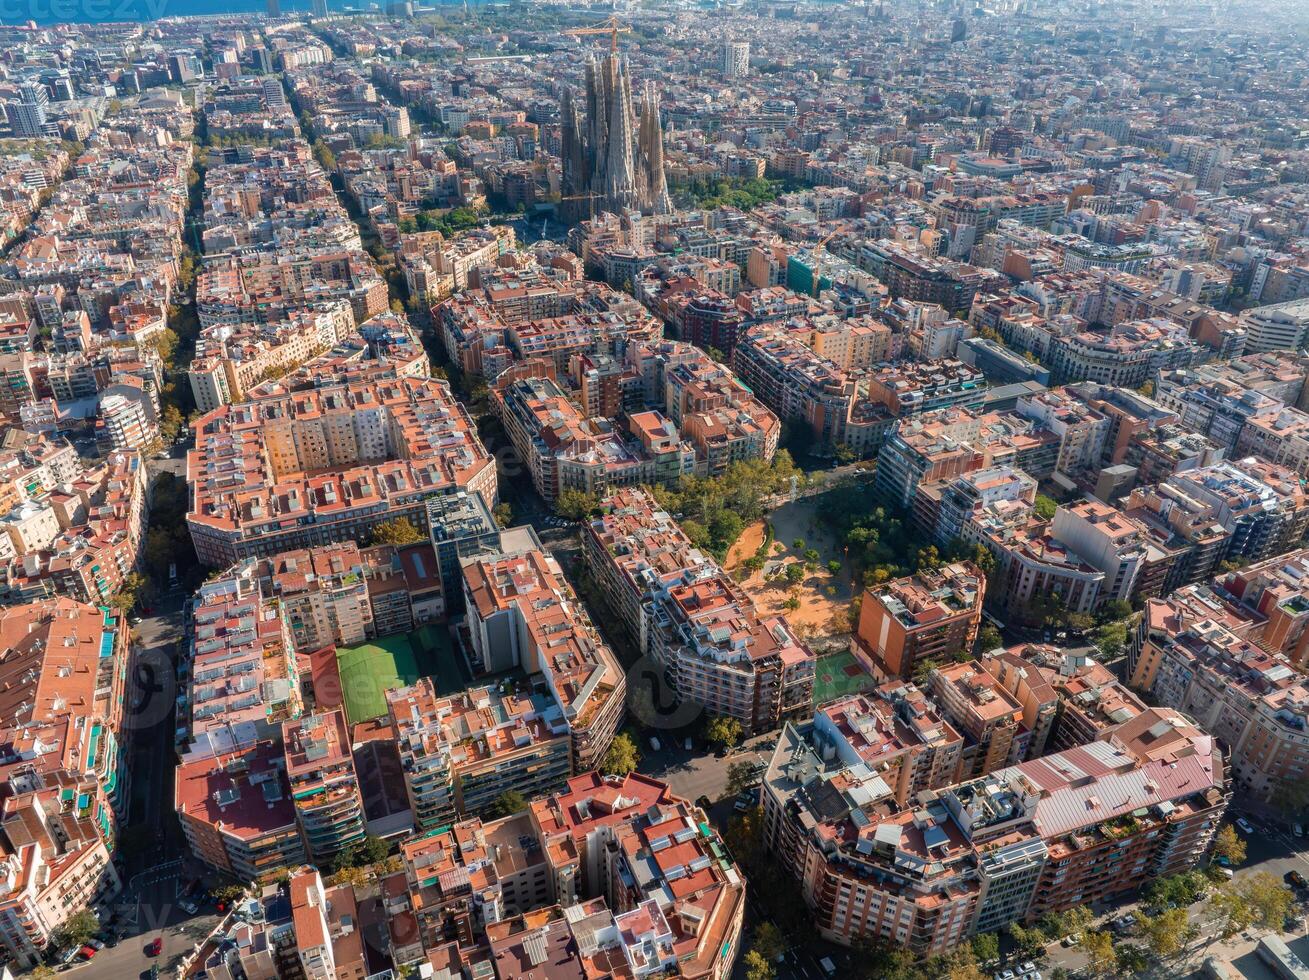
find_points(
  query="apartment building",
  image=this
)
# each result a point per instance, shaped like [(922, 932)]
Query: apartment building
[(327, 932), (238, 816), (523, 614), (319, 466), (984, 711), (71, 531), (1276, 590), (628, 839), (920, 619), (677, 605), (54, 866), (564, 450), (1108, 540), (244, 679), (1068, 699), (1043, 836), (320, 768), (1260, 505), (897, 732), (460, 752), (920, 387), (1251, 700)]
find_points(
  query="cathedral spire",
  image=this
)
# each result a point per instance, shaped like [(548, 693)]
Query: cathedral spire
[(652, 153), (620, 170)]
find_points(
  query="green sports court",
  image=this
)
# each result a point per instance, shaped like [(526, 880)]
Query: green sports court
[(371, 669), (839, 675)]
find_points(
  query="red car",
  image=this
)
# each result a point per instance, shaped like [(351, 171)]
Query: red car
[(155, 947), (86, 952)]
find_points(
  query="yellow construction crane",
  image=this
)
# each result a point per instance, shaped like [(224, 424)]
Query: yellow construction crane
[(612, 27)]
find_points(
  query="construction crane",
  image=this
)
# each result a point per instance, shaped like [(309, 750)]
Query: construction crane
[(611, 26)]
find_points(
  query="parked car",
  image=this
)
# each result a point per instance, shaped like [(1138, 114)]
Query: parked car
[(1243, 825), (1226, 873), (155, 946), (1297, 829), (654, 743), (87, 952), (1295, 879), (742, 804), (95, 944), (688, 744), (1069, 941), (1028, 967), (188, 906)]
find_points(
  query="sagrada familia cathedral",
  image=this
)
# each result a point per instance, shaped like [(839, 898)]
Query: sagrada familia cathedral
[(611, 161)]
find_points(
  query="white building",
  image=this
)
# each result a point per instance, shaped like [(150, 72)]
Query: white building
[(736, 59)]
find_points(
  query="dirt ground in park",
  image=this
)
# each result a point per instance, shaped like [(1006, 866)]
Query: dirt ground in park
[(818, 609)]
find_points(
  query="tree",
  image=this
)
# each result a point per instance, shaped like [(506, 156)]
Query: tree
[(1030, 942), (503, 514), (757, 967), (988, 638), (1229, 912), (1101, 959), (1114, 610), (576, 505), (623, 756), (397, 531), (768, 941), (724, 731), (795, 573), (508, 803), (833, 567), (986, 947), (844, 454), (740, 776), (1110, 640), (76, 930), (353, 875), (370, 850), (1229, 845), (42, 971), (227, 894), (1268, 899), (798, 544), (1168, 933), (1291, 796), (170, 423), (1045, 507), (812, 557)]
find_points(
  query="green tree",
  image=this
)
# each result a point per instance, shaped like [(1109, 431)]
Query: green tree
[(723, 730), (1268, 899), (623, 756), (1029, 941), (1168, 933), (503, 514), (370, 850), (170, 423), (795, 573), (757, 967), (1115, 610), (844, 454), (76, 930), (1229, 845), (740, 776), (1229, 912), (576, 505), (397, 531), (768, 941), (986, 947), (834, 567), (1045, 507), (227, 894), (1101, 958), (353, 875), (42, 971), (989, 638), (508, 803), (1110, 640)]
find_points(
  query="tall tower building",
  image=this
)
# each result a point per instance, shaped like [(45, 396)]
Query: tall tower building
[(274, 8), (736, 59), (28, 116), (318, 8), (611, 161)]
